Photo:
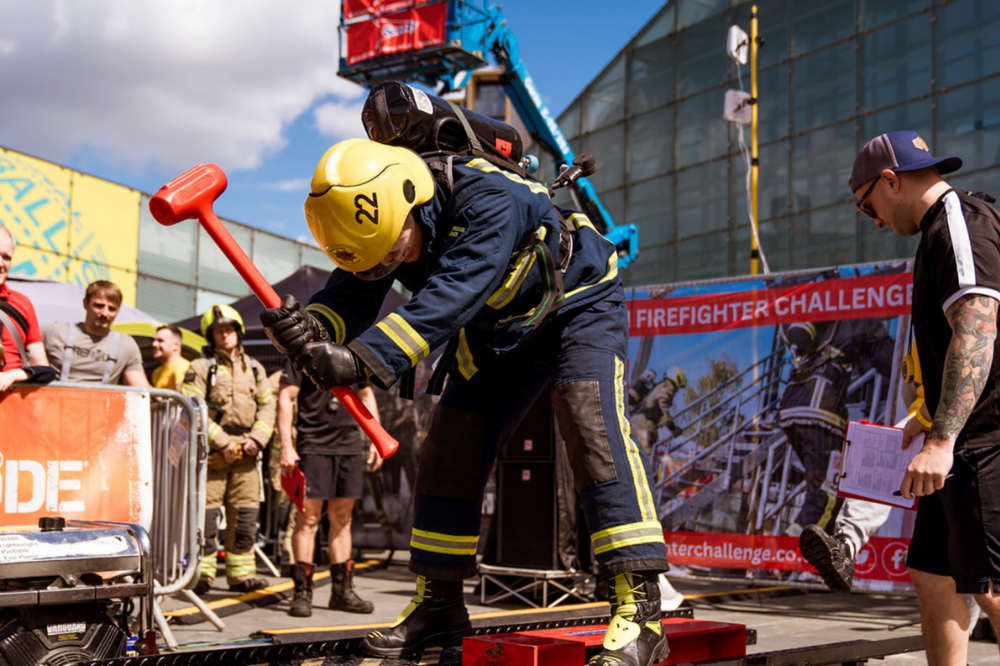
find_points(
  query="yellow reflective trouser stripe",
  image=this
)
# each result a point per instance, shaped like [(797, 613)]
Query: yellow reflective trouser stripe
[(238, 564), (579, 221), (627, 535), (510, 286), (483, 165), (643, 495), (464, 356), (209, 564), (449, 544), (339, 330), (405, 337)]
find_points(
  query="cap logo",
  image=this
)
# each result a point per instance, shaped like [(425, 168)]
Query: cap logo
[(344, 255), (361, 202), (919, 144)]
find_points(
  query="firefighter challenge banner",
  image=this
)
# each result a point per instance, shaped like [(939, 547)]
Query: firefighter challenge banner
[(741, 392)]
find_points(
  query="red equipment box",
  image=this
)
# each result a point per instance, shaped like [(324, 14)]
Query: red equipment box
[(690, 641), (522, 649)]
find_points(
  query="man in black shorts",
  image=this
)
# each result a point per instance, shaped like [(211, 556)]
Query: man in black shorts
[(956, 291), (329, 452)]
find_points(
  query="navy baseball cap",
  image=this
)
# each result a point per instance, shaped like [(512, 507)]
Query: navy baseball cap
[(899, 151)]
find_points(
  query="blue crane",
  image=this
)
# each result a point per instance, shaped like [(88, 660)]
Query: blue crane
[(472, 29)]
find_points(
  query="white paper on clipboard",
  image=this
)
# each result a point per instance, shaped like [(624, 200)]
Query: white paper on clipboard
[(874, 463)]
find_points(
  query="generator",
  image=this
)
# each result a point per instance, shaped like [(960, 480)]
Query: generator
[(72, 592)]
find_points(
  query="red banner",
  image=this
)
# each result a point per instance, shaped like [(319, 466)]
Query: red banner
[(826, 300), (408, 30), (83, 454), (882, 558), (735, 551), (355, 8)]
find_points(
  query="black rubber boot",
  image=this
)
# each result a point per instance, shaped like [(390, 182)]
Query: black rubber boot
[(830, 555), (248, 585), (435, 617), (302, 577), (342, 594), (635, 636)]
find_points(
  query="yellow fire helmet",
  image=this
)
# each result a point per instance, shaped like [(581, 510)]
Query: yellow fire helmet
[(361, 194), (221, 314)]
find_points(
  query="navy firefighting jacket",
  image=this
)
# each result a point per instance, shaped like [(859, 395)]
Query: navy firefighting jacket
[(481, 279)]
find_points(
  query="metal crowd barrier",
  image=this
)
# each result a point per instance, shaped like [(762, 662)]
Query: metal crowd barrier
[(180, 452)]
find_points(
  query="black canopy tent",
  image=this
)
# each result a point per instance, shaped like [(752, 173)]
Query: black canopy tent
[(302, 284)]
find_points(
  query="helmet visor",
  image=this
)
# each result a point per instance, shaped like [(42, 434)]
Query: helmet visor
[(378, 271)]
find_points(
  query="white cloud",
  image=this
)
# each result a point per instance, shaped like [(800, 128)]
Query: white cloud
[(339, 120), (165, 84), (294, 185)]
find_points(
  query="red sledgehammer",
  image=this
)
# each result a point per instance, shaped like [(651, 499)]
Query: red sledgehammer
[(190, 196)]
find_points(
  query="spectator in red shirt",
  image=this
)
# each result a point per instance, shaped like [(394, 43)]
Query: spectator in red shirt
[(22, 354)]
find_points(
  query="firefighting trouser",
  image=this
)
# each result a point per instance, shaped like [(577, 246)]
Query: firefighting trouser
[(582, 355), (237, 489), (813, 445)]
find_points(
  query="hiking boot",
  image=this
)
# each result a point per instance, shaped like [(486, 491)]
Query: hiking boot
[(302, 577), (248, 585), (635, 636), (202, 586), (435, 617), (830, 555), (342, 594)]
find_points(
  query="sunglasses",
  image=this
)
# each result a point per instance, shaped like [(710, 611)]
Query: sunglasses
[(860, 205)]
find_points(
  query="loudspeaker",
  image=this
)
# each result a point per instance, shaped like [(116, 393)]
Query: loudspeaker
[(526, 514), (534, 438)]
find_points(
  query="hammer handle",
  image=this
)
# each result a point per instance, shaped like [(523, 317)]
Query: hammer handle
[(383, 441)]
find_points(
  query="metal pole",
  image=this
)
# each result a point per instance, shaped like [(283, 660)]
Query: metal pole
[(754, 250)]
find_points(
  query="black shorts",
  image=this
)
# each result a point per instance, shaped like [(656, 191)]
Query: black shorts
[(330, 477), (957, 529)]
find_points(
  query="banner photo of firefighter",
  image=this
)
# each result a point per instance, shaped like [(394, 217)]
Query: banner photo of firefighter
[(740, 391)]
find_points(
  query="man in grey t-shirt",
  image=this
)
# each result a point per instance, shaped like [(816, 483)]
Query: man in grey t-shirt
[(89, 351)]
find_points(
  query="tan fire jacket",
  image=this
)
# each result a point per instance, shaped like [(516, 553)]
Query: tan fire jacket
[(238, 392)]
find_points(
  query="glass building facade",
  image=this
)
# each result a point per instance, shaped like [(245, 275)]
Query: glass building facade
[(181, 272), (831, 75)]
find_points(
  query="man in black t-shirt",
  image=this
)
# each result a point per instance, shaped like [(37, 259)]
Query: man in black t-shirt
[(955, 547), (329, 451)]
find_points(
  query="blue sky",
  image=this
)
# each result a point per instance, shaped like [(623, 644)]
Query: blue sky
[(137, 92)]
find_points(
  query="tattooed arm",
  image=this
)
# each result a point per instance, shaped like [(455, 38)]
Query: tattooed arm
[(967, 364)]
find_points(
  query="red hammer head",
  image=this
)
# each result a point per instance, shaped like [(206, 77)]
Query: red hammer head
[(189, 195)]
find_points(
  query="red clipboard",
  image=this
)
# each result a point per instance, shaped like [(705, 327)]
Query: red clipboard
[(295, 485)]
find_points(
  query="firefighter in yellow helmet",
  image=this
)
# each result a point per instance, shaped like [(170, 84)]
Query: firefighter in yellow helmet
[(521, 296), (242, 411), (653, 410)]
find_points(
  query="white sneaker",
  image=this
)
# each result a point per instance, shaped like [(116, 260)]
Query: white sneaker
[(670, 599)]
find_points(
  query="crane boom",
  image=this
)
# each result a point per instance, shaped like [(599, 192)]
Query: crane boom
[(472, 28)]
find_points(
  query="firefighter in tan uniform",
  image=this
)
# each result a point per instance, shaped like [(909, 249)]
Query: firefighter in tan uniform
[(242, 411)]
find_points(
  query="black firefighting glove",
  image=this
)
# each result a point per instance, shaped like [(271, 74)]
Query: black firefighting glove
[(329, 365), (291, 326)]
